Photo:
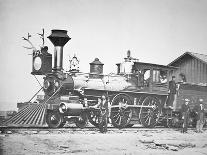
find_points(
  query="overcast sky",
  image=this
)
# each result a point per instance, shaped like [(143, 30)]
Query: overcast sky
[(156, 31)]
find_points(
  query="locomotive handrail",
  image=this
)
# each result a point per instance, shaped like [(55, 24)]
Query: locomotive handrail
[(132, 106), (110, 74)]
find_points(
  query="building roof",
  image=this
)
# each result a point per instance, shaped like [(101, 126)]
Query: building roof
[(151, 65), (201, 57)]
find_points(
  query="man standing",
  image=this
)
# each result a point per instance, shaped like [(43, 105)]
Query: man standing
[(104, 112), (185, 114), (199, 109), (172, 93)]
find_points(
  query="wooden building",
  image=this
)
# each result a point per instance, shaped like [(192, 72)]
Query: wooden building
[(193, 66)]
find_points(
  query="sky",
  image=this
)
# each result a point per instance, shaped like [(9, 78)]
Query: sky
[(156, 31)]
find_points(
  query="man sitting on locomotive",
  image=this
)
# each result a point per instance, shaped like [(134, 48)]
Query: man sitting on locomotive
[(103, 104), (185, 109), (199, 109)]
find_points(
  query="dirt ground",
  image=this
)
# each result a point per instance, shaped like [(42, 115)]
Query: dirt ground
[(90, 141)]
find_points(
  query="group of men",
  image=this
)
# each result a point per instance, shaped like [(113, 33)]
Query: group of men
[(198, 109), (185, 109)]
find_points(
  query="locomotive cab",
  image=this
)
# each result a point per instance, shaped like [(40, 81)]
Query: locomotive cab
[(152, 77)]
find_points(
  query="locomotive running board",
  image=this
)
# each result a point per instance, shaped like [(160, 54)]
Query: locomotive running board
[(30, 116)]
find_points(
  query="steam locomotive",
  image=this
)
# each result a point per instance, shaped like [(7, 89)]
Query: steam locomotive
[(137, 93)]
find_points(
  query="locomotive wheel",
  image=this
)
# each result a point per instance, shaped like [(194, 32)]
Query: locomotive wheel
[(149, 116), (174, 123), (54, 119), (121, 116), (82, 121), (93, 117)]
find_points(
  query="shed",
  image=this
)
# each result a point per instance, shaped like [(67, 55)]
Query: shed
[(193, 66)]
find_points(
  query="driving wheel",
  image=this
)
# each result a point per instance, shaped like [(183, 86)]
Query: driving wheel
[(82, 121), (149, 115), (120, 113)]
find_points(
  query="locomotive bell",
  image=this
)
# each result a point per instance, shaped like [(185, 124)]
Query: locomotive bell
[(59, 38)]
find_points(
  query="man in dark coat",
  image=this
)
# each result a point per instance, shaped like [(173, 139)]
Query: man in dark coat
[(104, 112), (199, 109), (185, 109), (172, 92)]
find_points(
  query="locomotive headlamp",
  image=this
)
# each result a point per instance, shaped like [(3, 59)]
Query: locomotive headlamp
[(46, 84), (37, 63)]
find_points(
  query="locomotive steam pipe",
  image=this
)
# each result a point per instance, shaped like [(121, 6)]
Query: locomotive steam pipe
[(59, 38)]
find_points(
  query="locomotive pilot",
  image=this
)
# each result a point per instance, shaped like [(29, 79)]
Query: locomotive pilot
[(199, 109), (185, 109)]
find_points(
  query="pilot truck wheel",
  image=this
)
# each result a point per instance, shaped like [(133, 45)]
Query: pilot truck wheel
[(93, 117), (54, 119), (82, 121)]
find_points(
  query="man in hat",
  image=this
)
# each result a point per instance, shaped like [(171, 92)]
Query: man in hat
[(199, 109), (103, 104), (185, 114), (172, 93), (104, 109)]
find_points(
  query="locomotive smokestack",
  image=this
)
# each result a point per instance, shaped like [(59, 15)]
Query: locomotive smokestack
[(59, 38)]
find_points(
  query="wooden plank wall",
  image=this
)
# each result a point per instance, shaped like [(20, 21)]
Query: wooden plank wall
[(194, 69)]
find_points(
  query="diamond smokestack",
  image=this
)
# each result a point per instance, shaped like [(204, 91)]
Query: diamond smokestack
[(59, 38)]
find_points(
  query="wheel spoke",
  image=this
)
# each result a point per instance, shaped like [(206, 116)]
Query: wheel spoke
[(120, 120), (117, 118), (146, 119), (149, 120), (146, 115), (116, 115), (96, 118)]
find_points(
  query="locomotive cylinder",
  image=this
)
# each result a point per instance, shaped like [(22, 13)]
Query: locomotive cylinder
[(70, 108), (59, 38)]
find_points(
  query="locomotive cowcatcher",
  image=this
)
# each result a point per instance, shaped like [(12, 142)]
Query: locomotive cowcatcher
[(137, 93)]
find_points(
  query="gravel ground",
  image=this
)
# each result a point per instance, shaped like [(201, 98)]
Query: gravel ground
[(90, 141)]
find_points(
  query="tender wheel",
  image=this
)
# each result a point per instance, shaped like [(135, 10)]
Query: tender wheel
[(54, 119), (93, 117), (149, 116), (175, 122), (169, 120), (82, 121), (192, 122), (121, 115)]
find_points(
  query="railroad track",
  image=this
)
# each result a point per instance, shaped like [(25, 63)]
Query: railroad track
[(46, 130)]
